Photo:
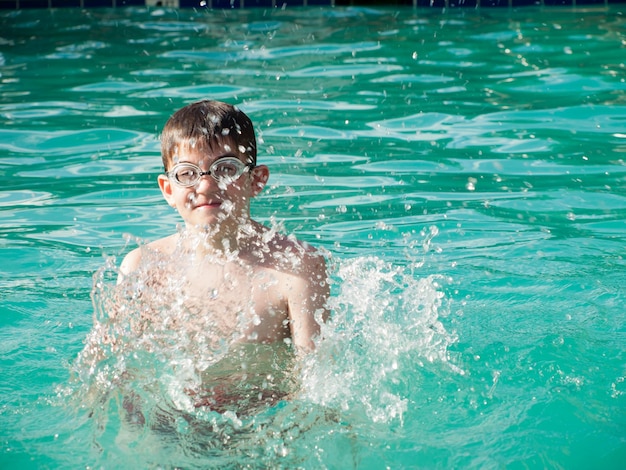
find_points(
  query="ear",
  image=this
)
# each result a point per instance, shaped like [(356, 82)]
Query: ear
[(166, 189), (260, 174)]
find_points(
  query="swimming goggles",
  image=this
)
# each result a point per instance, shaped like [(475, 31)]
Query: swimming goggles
[(225, 170)]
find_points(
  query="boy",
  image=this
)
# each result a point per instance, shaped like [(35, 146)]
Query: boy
[(225, 292)]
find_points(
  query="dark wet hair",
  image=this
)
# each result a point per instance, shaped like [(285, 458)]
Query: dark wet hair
[(207, 123)]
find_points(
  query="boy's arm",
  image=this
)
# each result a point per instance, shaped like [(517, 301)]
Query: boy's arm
[(129, 263), (308, 298)]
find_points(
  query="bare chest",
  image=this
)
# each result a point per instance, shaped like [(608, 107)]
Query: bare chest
[(237, 301)]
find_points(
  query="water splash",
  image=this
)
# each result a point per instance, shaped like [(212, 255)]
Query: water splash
[(385, 325), (163, 317), (141, 377)]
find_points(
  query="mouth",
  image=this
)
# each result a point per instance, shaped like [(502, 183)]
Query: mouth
[(209, 204), (196, 201)]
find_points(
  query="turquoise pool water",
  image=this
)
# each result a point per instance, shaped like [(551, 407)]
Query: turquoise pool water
[(463, 170)]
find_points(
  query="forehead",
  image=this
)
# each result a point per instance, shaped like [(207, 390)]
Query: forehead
[(201, 151)]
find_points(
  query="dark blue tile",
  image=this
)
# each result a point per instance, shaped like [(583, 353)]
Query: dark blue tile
[(525, 3), (98, 3), (261, 3), (8, 4), (34, 4), (494, 3), (462, 3), (589, 2), (192, 3), (287, 3), (65, 3), (557, 3), (315, 3), (131, 3), (431, 3), (226, 4)]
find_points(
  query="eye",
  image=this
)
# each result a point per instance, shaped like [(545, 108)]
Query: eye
[(225, 169), (186, 174)]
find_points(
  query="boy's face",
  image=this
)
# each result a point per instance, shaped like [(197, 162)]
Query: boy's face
[(209, 203)]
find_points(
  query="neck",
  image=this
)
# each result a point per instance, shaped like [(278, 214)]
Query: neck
[(220, 239)]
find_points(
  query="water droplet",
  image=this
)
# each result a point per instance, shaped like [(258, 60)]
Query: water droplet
[(471, 184)]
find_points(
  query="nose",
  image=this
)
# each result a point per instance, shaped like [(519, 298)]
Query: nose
[(206, 180)]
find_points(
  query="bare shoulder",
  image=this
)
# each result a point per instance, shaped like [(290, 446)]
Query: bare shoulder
[(293, 256), (130, 261), (133, 259), (303, 282)]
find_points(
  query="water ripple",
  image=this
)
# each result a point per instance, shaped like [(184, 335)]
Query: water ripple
[(344, 70), (117, 86), (67, 142), (12, 198), (273, 53), (18, 111), (195, 91), (336, 105)]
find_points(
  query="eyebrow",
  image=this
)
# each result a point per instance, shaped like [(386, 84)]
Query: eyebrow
[(220, 157)]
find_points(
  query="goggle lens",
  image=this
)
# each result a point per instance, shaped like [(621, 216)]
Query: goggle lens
[(224, 170)]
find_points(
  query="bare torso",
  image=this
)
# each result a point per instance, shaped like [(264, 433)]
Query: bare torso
[(207, 307), (260, 293), (247, 302)]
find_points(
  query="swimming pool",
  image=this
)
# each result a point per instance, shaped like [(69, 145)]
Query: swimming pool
[(464, 171)]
